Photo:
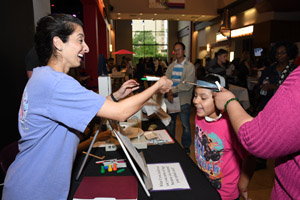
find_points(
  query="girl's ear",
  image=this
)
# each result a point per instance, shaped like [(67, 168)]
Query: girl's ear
[(57, 43)]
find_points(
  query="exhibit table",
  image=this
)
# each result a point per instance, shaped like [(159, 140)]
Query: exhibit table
[(200, 186)]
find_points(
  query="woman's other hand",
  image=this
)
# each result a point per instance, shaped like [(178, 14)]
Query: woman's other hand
[(126, 88)]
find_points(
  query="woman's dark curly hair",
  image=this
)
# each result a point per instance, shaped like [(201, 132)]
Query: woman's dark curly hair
[(61, 25), (291, 50)]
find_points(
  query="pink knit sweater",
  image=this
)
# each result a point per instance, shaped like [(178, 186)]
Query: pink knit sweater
[(275, 133)]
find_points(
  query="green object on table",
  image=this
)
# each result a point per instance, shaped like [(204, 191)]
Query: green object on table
[(120, 171), (102, 170)]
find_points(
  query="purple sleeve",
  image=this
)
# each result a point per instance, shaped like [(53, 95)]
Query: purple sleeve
[(73, 105), (275, 131)]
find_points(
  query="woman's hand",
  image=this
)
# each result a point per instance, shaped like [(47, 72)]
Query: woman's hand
[(165, 84), (222, 97), (126, 88)]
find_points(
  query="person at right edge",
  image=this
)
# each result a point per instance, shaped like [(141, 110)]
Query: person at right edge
[(273, 133), (272, 77), (178, 71)]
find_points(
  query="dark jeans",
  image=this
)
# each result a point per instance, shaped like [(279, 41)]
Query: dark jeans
[(186, 127)]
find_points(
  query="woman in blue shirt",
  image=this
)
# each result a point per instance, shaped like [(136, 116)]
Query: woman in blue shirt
[(55, 107)]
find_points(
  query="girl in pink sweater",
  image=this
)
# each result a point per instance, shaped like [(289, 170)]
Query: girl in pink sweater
[(274, 133), (218, 152)]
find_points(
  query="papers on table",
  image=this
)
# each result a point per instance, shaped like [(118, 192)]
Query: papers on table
[(167, 176), (158, 137), (152, 107)]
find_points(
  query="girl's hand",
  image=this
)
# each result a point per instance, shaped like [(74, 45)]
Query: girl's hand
[(222, 97), (126, 88), (244, 194)]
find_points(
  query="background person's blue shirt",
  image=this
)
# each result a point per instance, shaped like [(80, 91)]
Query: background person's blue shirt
[(53, 106)]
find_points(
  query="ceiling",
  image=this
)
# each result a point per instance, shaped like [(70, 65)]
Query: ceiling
[(194, 10)]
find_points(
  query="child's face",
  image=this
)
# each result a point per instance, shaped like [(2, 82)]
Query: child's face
[(204, 103)]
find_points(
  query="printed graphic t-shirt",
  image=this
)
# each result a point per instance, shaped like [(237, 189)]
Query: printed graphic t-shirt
[(53, 106), (219, 155)]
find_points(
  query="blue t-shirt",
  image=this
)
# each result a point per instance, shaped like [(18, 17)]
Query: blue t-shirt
[(53, 106)]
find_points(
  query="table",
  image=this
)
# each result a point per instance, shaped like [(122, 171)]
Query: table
[(242, 94), (200, 186)]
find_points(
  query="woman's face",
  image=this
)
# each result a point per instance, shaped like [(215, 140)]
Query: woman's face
[(74, 49), (281, 55), (204, 103)]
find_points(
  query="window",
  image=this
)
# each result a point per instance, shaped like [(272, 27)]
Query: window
[(150, 39)]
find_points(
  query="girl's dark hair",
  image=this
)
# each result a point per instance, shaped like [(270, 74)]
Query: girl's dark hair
[(211, 78), (291, 50), (60, 25)]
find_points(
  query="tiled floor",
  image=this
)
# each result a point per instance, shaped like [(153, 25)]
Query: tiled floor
[(261, 184)]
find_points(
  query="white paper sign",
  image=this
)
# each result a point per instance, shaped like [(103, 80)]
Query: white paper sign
[(167, 176)]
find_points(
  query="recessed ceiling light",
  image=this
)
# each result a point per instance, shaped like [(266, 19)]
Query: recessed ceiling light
[(119, 14), (141, 13), (155, 13)]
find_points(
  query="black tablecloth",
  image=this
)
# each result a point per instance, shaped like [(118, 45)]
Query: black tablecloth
[(200, 187)]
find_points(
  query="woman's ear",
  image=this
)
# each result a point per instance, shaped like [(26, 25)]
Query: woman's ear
[(57, 43)]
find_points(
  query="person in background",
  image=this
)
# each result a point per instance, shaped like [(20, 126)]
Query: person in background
[(179, 71), (220, 66), (54, 107), (219, 154), (124, 63), (210, 62), (150, 67), (163, 65), (110, 65), (200, 71), (273, 133), (160, 68), (244, 69), (283, 54), (129, 68), (31, 61), (231, 71)]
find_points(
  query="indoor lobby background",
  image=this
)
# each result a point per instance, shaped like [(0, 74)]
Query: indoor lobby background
[(107, 25)]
